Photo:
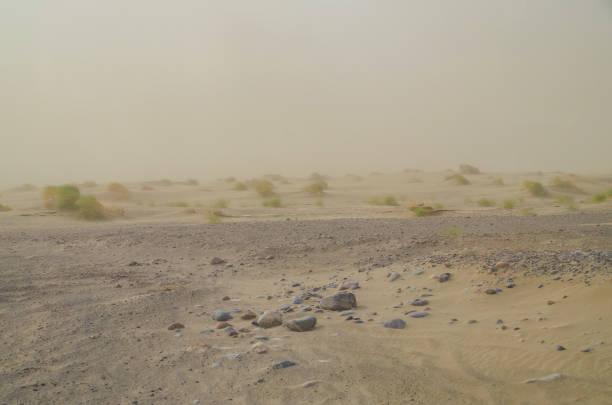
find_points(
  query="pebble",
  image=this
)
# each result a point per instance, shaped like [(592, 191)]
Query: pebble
[(340, 301), (223, 325), (284, 364), (501, 265), (217, 260), (548, 378), (248, 315), (347, 312), (349, 285), (560, 348), (418, 272), (444, 277), (419, 302), (302, 324), (219, 315), (472, 321), (588, 349), (230, 331), (269, 319), (395, 324), (176, 325), (261, 337), (297, 301), (392, 277), (419, 314), (233, 356), (490, 291), (259, 348), (226, 298)]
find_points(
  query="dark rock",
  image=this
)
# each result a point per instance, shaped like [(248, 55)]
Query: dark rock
[(419, 314), (176, 325), (220, 315), (284, 364), (419, 302), (444, 277), (302, 324), (395, 324), (217, 260)]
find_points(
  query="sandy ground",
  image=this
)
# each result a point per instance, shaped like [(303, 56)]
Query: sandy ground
[(85, 307)]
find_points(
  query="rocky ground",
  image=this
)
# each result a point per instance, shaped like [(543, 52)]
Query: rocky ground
[(482, 309)]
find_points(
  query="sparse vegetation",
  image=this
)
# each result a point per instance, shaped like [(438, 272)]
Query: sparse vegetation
[(49, 195), (600, 197), (468, 169), (458, 179), (177, 204), (317, 188), (535, 189), (192, 182), (452, 232), (264, 188), (4, 208), (565, 185), (221, 204), (526, 212), (118, 191), (386, 200), (319, 202), (421, 211), (568, 202), (609, 193), (66, 197), (230, 179), (89, 208), (508, 204), (484, 202), (498, 181), (240, 186), (438, 206), (213, 217), (318, 177), (165, 182), (273, 203)]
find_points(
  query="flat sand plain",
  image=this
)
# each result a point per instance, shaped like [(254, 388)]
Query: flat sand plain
[(85, 306)]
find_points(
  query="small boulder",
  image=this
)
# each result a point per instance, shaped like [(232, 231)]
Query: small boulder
[(419, 302), (270, 319), (340, 301), (217, 260), (490, 291), (223, 325), (349, 285), (419, 314), (444, 277), (302, 324), (395, 324), (176, 325), (393, 276), (221, 316), (248, 315)]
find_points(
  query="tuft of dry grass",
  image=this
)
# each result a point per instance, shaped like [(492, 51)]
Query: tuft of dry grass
[(264, 188), (118, 191), (565, 185), (535, 189), (484, 202), (316, 188), (240, 186), (458, 179), (508, 204), (89, 208), (221, 204), (273, 203), (568, 202), (213, 217), (4, 208), (386, 200), (498, 181), (598, 198)]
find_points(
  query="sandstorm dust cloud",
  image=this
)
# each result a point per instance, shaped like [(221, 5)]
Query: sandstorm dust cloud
[(151, 89)]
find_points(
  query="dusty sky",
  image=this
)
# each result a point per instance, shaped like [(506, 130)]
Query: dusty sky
[(146, 89)]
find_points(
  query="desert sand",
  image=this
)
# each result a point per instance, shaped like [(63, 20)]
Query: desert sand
[(85, 307)]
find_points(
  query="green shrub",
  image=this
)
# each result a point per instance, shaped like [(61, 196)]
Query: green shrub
[(273, 203), (221, 204), (387, 200), (67, 197), (165, 182), (49, 196), (316, 188), (4, 208), (264, 188), (452, 232), (458, 179), (421, 211), (567, 201), (177, 204), (118, 191), (240, 186), (468, 169), (508, 204), (483, 202), (600, 197), (89, 208), (609, 193), (535, 189)]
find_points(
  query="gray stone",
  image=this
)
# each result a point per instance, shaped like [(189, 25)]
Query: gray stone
[(340, 301), (284, 364), (395, 324), (419, 314), (217, 260), (349, 285), (221, 316), (444, 277), (302, 324), (490, 291), (417, 272), (270, 319), (393, 276), (419, 302)]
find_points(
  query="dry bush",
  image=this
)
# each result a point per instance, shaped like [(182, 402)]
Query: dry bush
[(66, 197), (458, 179), (565, 185), (4, 208), (319, 203), (508, 204), (317, 188), (600, 197), (49, 196), (214, 217), (221, 204), (118, 191), (386, 200), (484, 202), (568, 202), (89, 208), (273, 203), (468, 169), (535, 189), (498, 181), (264, 188), (240, 186)]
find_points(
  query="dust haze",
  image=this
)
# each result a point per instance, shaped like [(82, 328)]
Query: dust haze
[(148, 89)]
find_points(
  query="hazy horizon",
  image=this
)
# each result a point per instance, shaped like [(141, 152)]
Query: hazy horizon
[(148, 89)]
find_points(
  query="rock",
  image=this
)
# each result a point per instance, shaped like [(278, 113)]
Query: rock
[(548, 378), (302, 324), (349, 285), (230, 331), (340, 301), (284, 364), (347, 312), (176, 325), (419, 314), (588, 349), (270, 319), (444, 277), (510, 285), (216, 365), (233, 356), (490, 291), (550, 302), (393, 276), (310, 383), (248, 315), (259, 348), (395, 324), (220, 315), (472, 321), (297, 301), (261, 337), (419, 302), (223, 325), (560, 348), (217, 261), (501, 265), (244, 330), (418, 272)]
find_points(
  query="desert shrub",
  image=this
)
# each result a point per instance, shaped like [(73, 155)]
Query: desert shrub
[(438, 206), (508, 204), (318, 177), (600, 197), (4, 208), (484, 202), (221, 204), (535, 189), (498, 181), (264, 188), (213, 217), (566, 185), (89, 184), (49, 196), (609, 192), (177, 204), (319, 203), (89, 208), (451, 232), (67, 197), (386, 200), (316, 188), (458, 179), (240, 186), (118, 191), (468, 169), (192, 182), (273, 203), (420, 211), (567, 201)]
